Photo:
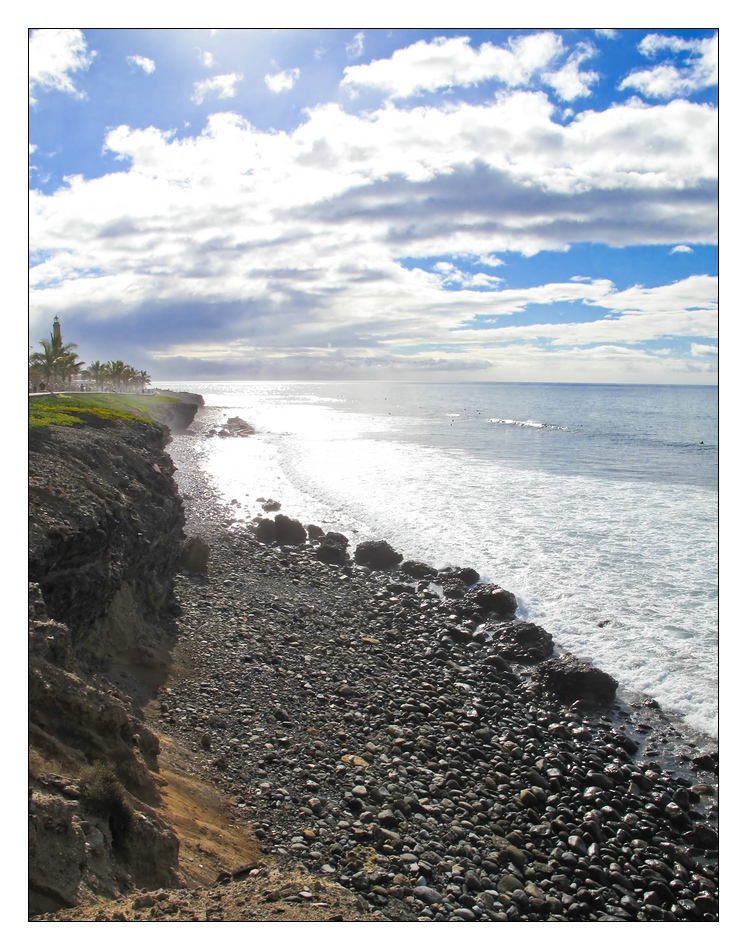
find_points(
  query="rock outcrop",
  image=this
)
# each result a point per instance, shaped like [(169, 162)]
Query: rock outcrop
[(280, 530), (233, 428), (523, 642), (489, 599), (180, 412), (105, 541), (333, 548), (105, 536), (573, 679), (378, 555)]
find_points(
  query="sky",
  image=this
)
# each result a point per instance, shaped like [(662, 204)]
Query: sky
[(523, 205)]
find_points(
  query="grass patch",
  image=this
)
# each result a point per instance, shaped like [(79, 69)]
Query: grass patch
[(97, 409)]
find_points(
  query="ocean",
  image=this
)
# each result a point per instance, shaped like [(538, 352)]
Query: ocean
[(596, 505)]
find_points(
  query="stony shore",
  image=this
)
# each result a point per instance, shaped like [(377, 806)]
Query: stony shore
[(402, 743)]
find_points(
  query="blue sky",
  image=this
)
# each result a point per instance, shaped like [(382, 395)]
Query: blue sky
[(348, 203)]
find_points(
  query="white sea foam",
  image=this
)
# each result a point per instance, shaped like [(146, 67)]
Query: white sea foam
[(516, 422)]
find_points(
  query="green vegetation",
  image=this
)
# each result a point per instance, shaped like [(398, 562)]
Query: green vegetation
[(102, 792), (69, 409), (56, 365)]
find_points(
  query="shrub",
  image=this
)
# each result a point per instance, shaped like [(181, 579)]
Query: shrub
[(102, 792)]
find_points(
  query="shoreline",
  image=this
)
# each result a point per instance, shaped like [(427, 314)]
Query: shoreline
[(209, 417), (658, 781)]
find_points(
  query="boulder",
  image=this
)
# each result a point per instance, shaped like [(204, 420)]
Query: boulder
[(490, 599), (468, 575), (265, 530), (334, 537), (236, 428), (523, 642), (378, 555), (572, 679), (289, 531), (280, 530), (333, 549), (498, 662), (707, 762), (418, 570), (454, 588), (195, 556)]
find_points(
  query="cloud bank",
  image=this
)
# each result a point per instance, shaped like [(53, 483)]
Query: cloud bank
[(366, 242)]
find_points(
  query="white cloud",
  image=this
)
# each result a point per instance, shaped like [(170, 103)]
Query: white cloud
[(147, 65), (53, 55), (607, 34), (224, 87), (637, 315), (699, 69), (354, 48), (279, 241), (441, 63), (702, 349), (570, 82), (655, 43), (681, 249), (282, 81), (207, 59), (451, 277)]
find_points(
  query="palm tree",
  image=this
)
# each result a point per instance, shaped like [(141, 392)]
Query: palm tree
[(69, 366), (96, 372), (121, 374), (57, 362), (42, 365)]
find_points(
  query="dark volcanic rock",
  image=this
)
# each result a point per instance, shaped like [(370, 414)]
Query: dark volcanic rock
[(333, 549), (379, 555), (490, 599), (573, 679), (105, 530), (289, 531), (523, 642), (280, 530), (453, 588), (418, 570), (179, 413), (105, 541), (265, 530), (233, 428), (195, 556), (334, 537), (468, 575)]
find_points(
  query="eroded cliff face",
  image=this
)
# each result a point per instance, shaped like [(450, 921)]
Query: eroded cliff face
[(105, 539)]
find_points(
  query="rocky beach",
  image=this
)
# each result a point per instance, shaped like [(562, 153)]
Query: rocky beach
[(390, 741)]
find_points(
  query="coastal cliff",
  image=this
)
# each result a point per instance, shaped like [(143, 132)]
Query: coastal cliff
[(105, 537)]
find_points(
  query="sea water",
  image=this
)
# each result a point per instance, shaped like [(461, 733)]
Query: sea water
[(596, 505)]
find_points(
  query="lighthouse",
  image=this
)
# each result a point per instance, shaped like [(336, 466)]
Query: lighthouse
[(56, 334)]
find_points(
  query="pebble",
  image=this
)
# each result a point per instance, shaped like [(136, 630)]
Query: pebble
[(373, 745)]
